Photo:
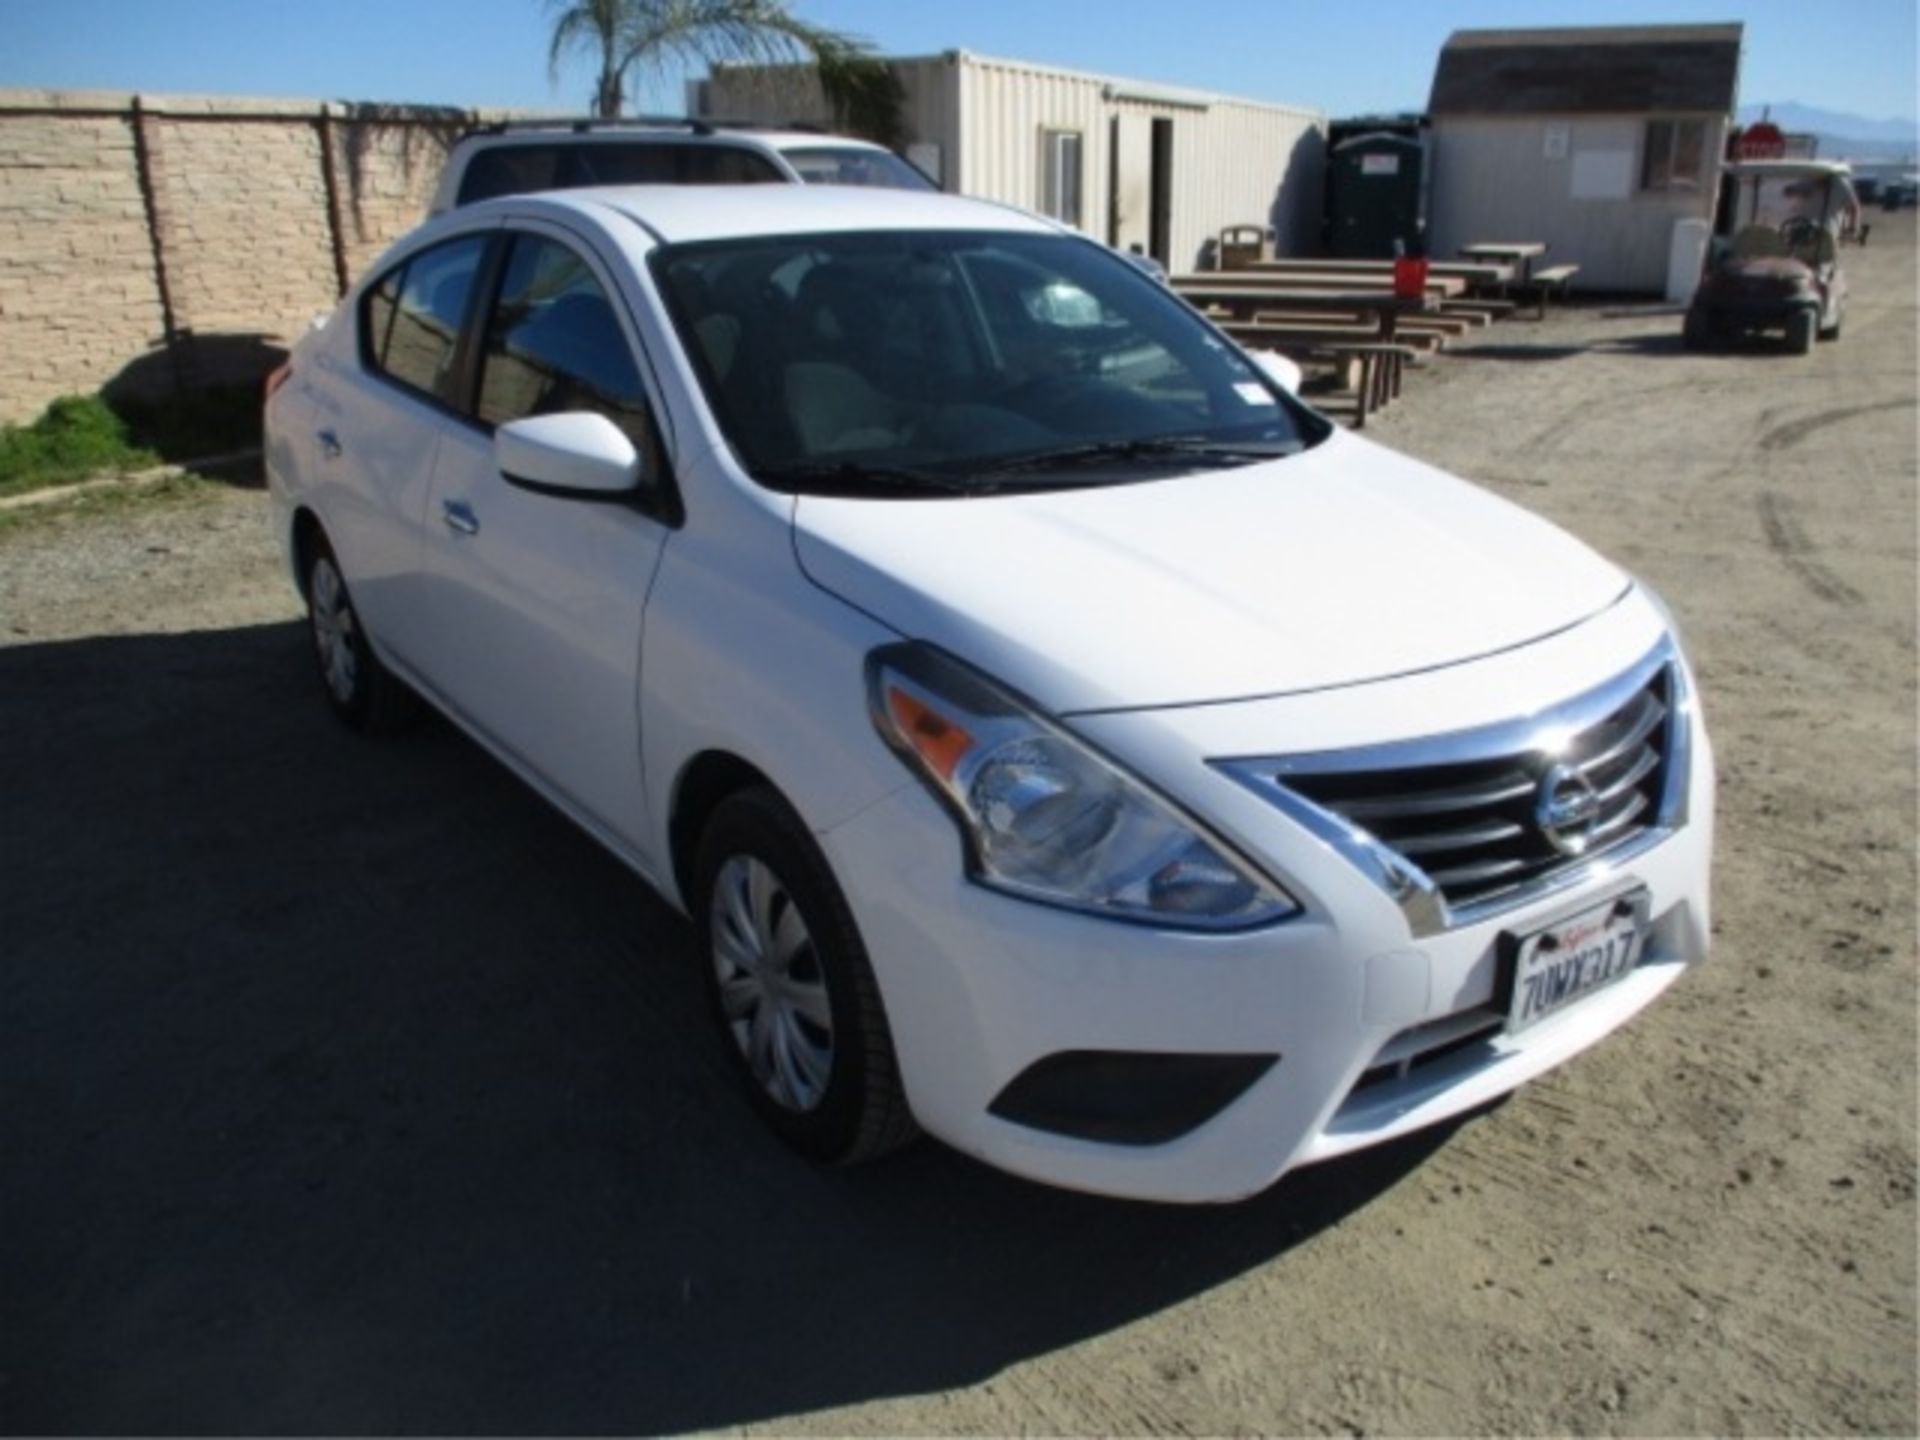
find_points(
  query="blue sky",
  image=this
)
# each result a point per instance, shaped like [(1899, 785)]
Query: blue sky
[(1851, 55)]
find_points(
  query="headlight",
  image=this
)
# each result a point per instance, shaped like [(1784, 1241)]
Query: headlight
[(1046, 817)]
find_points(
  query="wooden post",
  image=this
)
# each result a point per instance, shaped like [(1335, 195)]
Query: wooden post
[(330, 176), (150, 201)]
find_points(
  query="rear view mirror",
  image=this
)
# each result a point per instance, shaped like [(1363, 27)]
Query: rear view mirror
[(578, 454), (1279, 369)]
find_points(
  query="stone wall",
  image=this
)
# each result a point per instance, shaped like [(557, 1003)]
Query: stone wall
[(157, 243)]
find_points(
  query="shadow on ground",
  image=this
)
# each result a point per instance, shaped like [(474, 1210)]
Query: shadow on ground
[(348, 1088)]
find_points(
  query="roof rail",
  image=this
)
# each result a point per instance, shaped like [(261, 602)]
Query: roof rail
[(581, 125), (692, 124)]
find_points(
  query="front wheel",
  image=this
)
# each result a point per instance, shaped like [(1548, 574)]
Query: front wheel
[(1695, 333), (791, 988), (1800, 329), (1832, 332)]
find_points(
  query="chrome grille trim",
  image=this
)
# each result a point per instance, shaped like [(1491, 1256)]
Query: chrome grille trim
[(1636, 724)]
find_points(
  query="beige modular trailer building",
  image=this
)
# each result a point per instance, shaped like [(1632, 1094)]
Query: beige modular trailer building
[(1594, 140), (1134, 164)]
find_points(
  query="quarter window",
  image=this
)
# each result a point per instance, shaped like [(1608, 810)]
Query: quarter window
[(410, 322), (554, 343), (1060, 175), (1675, 155)]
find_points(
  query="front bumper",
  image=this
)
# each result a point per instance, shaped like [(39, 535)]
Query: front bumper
[(980, 987)]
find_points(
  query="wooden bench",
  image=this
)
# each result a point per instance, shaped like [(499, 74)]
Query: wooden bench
[(1555, 278)]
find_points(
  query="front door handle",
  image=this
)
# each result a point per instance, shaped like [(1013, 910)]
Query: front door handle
[(459, 516), (329, 444)]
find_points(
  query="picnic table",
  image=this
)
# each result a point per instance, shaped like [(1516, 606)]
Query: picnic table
[(1519, 253), (1447, 287), (1383, 305), (1474, 272)]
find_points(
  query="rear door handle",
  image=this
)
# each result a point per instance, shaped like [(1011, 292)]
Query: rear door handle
[(329, 444), (459, 516)]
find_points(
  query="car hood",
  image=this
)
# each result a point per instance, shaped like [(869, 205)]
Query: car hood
[(1343, 564)]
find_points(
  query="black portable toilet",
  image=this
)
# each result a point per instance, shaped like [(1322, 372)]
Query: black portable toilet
[(1377, 196)]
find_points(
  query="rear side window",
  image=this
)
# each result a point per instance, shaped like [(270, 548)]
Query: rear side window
[(410, 320), (554, 343), (511, 170), (520, 169)]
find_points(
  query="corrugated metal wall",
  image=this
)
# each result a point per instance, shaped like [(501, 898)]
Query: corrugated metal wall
[(1234, 162), (1494, 179)]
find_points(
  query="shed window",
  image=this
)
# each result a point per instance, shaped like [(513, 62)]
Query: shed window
[(1060, 175), (1675, 156)]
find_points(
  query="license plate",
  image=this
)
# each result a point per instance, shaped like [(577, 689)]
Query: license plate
[(1565, 962)]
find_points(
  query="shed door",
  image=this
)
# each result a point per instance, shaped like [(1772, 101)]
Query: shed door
[(1131, 187)]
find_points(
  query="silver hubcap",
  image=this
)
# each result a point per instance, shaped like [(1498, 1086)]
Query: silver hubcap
[(773, 993), (333, 630)]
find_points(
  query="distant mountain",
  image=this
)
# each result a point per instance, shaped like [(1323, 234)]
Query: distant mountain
[(1840, 134)]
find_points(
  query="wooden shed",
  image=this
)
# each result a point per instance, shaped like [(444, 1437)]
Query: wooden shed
[(1594, 140)]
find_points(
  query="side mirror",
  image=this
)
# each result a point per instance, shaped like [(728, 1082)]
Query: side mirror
[(1282, 371), (577, 454)]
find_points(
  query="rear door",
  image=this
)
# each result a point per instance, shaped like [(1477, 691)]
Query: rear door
[(535, 602), (380, 409)]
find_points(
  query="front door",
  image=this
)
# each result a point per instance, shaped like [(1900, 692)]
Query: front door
[(536, 602)]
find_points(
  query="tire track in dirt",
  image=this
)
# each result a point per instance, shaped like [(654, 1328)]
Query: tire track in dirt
[(1788, 539), (1785, 437)]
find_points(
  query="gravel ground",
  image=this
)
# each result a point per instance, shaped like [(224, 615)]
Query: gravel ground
[(348, 1088)]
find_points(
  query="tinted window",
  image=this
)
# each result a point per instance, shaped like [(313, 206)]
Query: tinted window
[(553, 344), (410, 322), (511, 170), (520, 169), (847, 165)]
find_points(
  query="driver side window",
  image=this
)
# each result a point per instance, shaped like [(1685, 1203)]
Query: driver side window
[(554, 343)]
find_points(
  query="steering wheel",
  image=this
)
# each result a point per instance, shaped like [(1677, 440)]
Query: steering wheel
[(1799, 231)]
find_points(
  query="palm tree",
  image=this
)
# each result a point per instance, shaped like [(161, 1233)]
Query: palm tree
[(659, 35)]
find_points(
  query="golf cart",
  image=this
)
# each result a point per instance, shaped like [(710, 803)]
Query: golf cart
[(1774, 263)]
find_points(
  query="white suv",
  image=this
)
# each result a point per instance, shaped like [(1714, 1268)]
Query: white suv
[(1060, 736), (521, 157)]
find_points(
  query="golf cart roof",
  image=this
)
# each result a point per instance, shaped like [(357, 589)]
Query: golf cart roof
[(1789, 167)]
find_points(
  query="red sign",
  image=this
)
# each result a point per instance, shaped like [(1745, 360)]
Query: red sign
[(1764, 141)]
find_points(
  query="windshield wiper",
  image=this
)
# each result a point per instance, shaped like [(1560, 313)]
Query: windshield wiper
[(1156, 447), (855, 475)]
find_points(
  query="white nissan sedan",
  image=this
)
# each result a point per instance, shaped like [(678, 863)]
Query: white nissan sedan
[(1063, 739)]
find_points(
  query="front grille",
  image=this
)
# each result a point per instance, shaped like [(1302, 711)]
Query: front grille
[(1473, 826)]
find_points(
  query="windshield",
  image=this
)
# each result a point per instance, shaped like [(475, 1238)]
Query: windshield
[(944, 362), (1785, 216), (851, 165)]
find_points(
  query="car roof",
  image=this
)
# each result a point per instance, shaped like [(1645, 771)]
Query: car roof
[(694, 133), (676, 213)]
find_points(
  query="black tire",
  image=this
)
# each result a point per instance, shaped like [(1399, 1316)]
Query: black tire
[(859, 1111), (1832, 332), (1695, 333), (359, 689), (1800, 330)]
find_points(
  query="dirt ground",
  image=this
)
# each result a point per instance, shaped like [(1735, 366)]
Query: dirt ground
[(347, 1088)]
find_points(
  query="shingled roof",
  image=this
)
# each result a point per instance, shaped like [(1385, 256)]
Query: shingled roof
[(1597, 70)]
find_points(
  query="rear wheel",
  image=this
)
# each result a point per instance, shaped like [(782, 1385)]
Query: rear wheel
[(790, 986), (1800, 330), (360, 689)]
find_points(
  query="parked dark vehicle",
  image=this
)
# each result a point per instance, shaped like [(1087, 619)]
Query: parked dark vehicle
[(1774, 264)]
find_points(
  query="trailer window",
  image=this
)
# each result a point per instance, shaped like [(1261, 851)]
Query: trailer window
[(1060, 175), (1675, 155)]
